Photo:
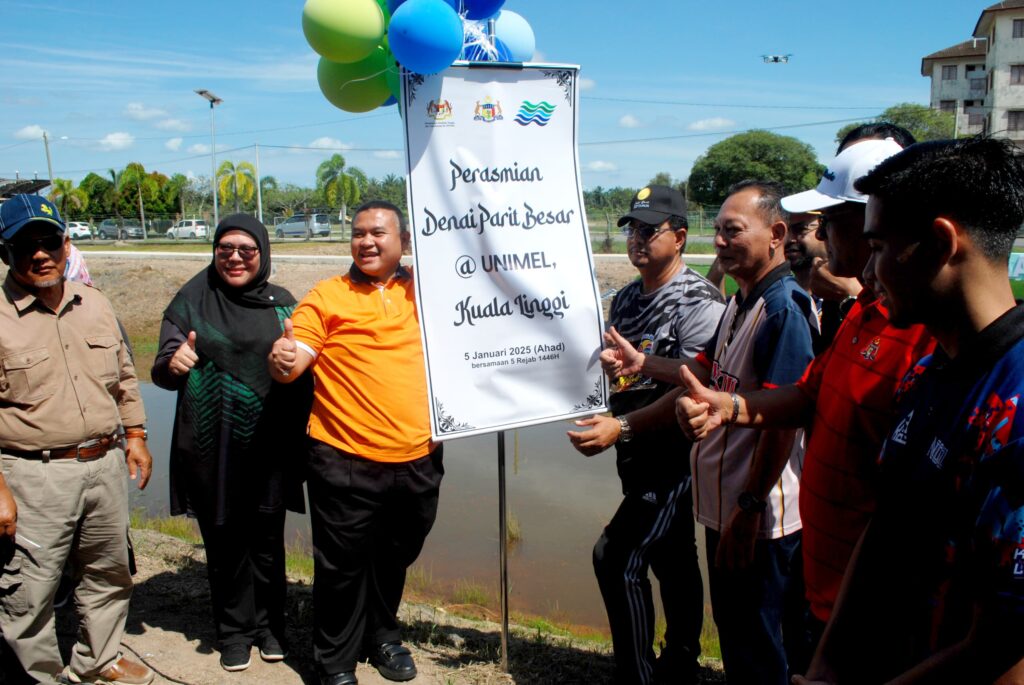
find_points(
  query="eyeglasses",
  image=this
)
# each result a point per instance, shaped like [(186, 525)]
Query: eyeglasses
[(246, 252), (645, 233), (802, 228), (829, 216), (29, 246)]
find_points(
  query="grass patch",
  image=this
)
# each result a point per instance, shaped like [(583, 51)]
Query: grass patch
[(180, 527), (710, 647), (513, 530), (466, 592)]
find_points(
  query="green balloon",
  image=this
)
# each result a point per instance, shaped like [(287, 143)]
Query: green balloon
[(387, 16), (394, 78), (356, 86), (343, 30)]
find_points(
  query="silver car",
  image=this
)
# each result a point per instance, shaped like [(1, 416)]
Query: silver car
[(304, 226), (188, 228)]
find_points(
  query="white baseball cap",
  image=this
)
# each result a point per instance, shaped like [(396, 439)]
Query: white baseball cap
[(836, 186)]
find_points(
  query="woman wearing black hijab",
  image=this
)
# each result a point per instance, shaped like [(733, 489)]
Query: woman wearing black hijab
[(235, 432)]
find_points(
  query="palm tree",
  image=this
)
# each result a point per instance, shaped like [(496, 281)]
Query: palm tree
[(236, 181), (339, 185), (134, 177), (67, 195)]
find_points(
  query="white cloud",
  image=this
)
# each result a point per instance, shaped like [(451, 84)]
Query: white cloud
[(629, 121), (386, 154), (139, 112), (587, 84), (173, 125), (327, 143), (600, 166), (174, 144), (117, 141), (31, 132), (199, 149), (711, 124)]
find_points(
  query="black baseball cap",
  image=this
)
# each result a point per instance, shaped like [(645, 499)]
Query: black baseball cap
[(654, 204)]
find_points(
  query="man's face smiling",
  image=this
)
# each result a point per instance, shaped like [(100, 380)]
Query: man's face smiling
[(34, 264), (377, 242)]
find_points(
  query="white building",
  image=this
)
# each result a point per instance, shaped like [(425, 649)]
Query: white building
[(982, 79)]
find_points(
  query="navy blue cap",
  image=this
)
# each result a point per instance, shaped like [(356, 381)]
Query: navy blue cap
[(654, 204), (21, 210)]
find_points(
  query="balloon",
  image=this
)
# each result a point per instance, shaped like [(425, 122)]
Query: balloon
[(392, 100), (343, 30), (425, 35), (393, 76), (516, 33), (477, 52), (386, 11), (482, 9), (393, 4), (355, 86)]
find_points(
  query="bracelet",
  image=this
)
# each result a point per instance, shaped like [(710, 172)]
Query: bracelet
[(130, 433), (625, 430), (735, 409)]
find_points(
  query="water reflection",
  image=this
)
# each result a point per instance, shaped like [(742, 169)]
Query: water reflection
[(561, 499)]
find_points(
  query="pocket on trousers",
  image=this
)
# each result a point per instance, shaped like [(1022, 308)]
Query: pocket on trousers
[(12, 596), (27, 376)]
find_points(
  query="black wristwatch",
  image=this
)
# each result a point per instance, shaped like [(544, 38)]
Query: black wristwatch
[(752, 504)]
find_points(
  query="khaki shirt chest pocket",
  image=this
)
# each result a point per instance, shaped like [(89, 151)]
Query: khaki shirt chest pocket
[(28, 376), (103, 357)]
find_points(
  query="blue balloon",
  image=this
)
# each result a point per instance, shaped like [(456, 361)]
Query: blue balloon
[(479, 53), (425, 35), (482, 9), (516, 33), (393, 5), (392, 100)]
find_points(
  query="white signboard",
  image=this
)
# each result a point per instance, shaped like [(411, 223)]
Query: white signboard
[(1017, 266), (509, 306)]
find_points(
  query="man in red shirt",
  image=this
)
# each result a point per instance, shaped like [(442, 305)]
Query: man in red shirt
[(845, 395)]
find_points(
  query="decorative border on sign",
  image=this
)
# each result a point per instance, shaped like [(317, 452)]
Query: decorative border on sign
[(448, 424), (564, 79), (593, 399)]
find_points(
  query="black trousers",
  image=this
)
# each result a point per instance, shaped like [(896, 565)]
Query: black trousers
[(651, 530), (369, 522), (245, 565)]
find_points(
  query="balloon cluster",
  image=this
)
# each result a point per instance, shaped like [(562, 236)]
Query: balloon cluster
[(361, 43)]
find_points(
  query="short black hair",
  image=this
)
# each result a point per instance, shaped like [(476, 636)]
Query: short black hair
[(878, 130), (977, 182), (770, 198), (382, 204)]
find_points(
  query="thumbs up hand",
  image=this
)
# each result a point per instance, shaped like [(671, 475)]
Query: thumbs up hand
[(185, 357), (698, 409), (282, 354)]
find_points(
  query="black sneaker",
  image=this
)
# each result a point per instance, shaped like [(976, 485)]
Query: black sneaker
[(235, 657), (393, 660), (271, 649)]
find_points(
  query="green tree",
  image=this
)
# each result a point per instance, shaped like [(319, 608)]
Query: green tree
[(236, 182), (391, 189), (134, 180), (923, 122), (100, 192), (71, 200), (174, 193), (339, 185), (754, 154)]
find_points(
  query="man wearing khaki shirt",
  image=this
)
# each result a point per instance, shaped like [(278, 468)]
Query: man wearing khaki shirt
[(71, 428)]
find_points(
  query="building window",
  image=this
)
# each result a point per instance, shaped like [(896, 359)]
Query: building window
[(1017, 74), (949, 72), (1015, 120), (969, 103), (1018, 28), (947, 106), (977, 84), (975, 119)]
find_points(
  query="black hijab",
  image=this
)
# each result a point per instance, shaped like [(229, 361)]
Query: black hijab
[(235, 327)]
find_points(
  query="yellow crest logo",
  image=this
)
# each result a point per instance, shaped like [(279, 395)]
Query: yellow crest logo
[(643, 194), (46, 210)]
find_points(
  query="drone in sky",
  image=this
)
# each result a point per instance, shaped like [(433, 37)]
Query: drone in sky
[(776, 59)]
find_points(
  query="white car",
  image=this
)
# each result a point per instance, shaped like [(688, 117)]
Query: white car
[(188, 228), (79, 230)]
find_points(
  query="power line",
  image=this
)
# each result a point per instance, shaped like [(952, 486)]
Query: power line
[(718, 133), (680, 103)]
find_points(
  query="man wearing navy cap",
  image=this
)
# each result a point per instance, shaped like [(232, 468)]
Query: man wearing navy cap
[(71, 428)]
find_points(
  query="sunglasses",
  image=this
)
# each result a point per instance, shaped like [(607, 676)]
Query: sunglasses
[(246, 252), (643, 232), (29, 246)]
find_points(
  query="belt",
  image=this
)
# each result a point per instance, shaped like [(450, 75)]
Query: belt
[(86, 451)]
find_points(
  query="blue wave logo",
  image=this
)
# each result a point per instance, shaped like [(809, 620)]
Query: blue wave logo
[(530, 113)]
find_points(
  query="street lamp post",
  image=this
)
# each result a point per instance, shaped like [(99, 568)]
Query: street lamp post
[(214, 100), (49, 164)]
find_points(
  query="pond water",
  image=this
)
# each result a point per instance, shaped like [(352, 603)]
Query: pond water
[(561, 499)]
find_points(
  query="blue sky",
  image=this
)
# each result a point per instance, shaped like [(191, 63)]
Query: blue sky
[(113, 82)]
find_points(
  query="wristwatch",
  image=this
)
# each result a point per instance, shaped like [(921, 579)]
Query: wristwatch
[(625, 430), (136, 432), (752, 504)]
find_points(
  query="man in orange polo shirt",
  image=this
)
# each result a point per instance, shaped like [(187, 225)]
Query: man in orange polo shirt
[(373, 473)]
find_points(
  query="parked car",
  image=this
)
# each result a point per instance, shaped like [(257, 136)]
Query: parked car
[(119, 229), (79, 230), (304, 225), (188, 228)]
